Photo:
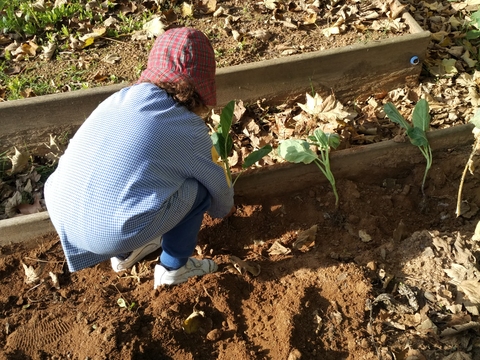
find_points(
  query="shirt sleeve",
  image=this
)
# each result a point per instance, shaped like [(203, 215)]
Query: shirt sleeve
[(213, 176)]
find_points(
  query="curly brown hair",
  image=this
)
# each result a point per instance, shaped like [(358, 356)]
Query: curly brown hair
[(184, 93)]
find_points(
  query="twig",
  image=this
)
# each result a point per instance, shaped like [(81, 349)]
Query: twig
[(372, 335), (45, 261), (206, 291), (467, 166), (115, 40)]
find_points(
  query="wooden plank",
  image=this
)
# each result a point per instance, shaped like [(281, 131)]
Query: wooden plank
[(368, 163), (350, 72)]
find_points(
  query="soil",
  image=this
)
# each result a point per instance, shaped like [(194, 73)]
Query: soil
[(336, 294)]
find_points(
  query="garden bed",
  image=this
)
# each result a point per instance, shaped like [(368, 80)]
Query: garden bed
[(351, 72), (387, 275)]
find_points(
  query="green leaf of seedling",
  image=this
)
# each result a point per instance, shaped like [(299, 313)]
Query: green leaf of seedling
[(417, 137), (256, 156), (476, 19), (325, 140), (475, 120), (218, 142), (296, 151), (222, 145), (333, 140), (421, 115), (121, 302), (395, 116), (226, 118), (321, 139)]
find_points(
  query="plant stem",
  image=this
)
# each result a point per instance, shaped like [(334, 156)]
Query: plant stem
[(427, 153), (236, 177), (328, 174)]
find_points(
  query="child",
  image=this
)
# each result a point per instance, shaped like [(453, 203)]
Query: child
[(139, 173)]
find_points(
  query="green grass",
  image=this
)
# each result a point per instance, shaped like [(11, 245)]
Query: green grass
[(26, 20)]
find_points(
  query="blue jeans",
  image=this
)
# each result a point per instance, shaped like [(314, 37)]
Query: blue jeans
[(179, 243)]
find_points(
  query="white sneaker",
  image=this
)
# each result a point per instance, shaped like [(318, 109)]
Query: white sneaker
[(193, 267), (136, 255)]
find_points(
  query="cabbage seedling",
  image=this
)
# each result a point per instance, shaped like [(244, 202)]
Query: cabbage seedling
[(417, 132), (223, 143), (299, 151)]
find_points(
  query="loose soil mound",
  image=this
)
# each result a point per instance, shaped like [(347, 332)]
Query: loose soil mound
[(340, 297)]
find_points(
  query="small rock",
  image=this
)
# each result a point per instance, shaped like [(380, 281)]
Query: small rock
[(295, 354), (372, 265), (214, 335), (231, 325), (20, 301)]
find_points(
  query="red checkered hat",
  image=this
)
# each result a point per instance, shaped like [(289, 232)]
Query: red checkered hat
[(183, 54)]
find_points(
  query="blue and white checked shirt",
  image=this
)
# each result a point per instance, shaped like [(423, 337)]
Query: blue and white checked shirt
[(115, 182)]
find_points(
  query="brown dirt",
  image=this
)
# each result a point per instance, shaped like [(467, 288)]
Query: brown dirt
[(318, 302)]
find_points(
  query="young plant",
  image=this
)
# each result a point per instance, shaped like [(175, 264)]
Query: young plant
[(417, 132), (124, 304), (299, 151), (223, 143)]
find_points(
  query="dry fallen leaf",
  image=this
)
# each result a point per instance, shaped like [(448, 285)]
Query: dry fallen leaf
[(310, 18), (56, 149), (326, 109), (186, 10), (278, 249), (243, 266), (12, 203), (27, 209), (89, 38), (54, 278), (19, 161), (364, 236), (262, 35), (32, 275), (48, 51), (306, 238), (111, 58), (154, 27), (271, 4), (207, 6), (471, 288)]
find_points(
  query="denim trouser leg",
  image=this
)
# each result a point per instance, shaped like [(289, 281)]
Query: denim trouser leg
[(179, 243)]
